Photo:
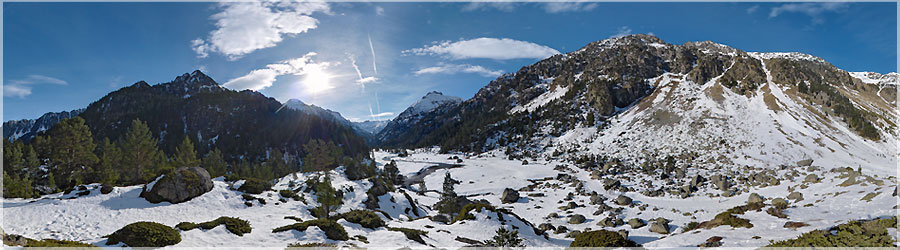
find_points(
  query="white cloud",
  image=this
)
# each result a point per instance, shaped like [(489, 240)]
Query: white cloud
[(367, 80), (459, 68), (21, 91), (379, 11), (384, 114), (559, 7), (752, 9), (244, 27), (622, 31), (484, 6), (813, 10), (22, 87), (490, 48), (263, 78)]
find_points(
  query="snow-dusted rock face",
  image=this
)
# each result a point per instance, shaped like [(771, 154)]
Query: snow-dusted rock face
[(415, 121), (26, 129), (638, 100)]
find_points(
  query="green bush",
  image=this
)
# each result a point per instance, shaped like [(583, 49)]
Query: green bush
[(286, 193), (691, 226), (145, 234), (728, 218), (58, 243), (464, 212), (333, 230), (365, 218), (236, 226), (871, 233), (255, 186), (412, 234), (601, 238)]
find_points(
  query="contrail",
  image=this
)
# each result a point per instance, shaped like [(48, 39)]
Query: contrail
[(358, 73), (363, 85), (372, 47)]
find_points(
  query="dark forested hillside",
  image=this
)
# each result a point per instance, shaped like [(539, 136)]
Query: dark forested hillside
[(241, 123)]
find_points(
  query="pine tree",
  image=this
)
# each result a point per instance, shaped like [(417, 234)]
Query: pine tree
[(214, 163), (13, 157), (140, 154), (71, 150), (449, 202), (505, 238), (32, 162), (448, 193), (110, 157), (185, 155), (321, 155), (590, 119), (392, 173), (329, 198)]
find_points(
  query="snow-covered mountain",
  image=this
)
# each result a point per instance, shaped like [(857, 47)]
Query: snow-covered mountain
[(372, 127), (311, 109), (414, 121), (26, 129), (637, 99), (367, 129)]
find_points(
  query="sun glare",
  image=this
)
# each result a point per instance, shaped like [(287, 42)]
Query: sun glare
[(317, 80)]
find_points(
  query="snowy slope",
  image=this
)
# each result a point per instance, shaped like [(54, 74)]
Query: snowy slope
[(483, 176)]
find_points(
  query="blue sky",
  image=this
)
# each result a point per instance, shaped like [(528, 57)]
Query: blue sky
[(372, 60)]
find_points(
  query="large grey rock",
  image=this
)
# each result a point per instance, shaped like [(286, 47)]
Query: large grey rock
[(636, 223), (805, 163), (780, 203), (182, 185), (755, 198), (106, 188), (597, 199), (796, 196), (546, 227), (623, 200), (441, 218), (509, 196), (610, 184), (577, 219), (811, 178), (660, 228)]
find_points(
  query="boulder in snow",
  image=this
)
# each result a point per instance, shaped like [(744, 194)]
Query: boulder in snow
[(181, 186), (509, 196)]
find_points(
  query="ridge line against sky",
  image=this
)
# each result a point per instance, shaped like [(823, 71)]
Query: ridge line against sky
[(315, 51)]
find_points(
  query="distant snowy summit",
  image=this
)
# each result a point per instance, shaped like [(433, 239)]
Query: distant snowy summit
[(429, 102), (366, 129), (418, 115)]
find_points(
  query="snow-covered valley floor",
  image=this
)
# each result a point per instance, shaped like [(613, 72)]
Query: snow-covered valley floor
[(88, 218)]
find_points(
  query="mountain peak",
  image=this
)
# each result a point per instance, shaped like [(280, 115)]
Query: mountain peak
[(197, 77), (430, 101)]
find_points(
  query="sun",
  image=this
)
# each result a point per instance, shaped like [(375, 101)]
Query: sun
[(317, 80)]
